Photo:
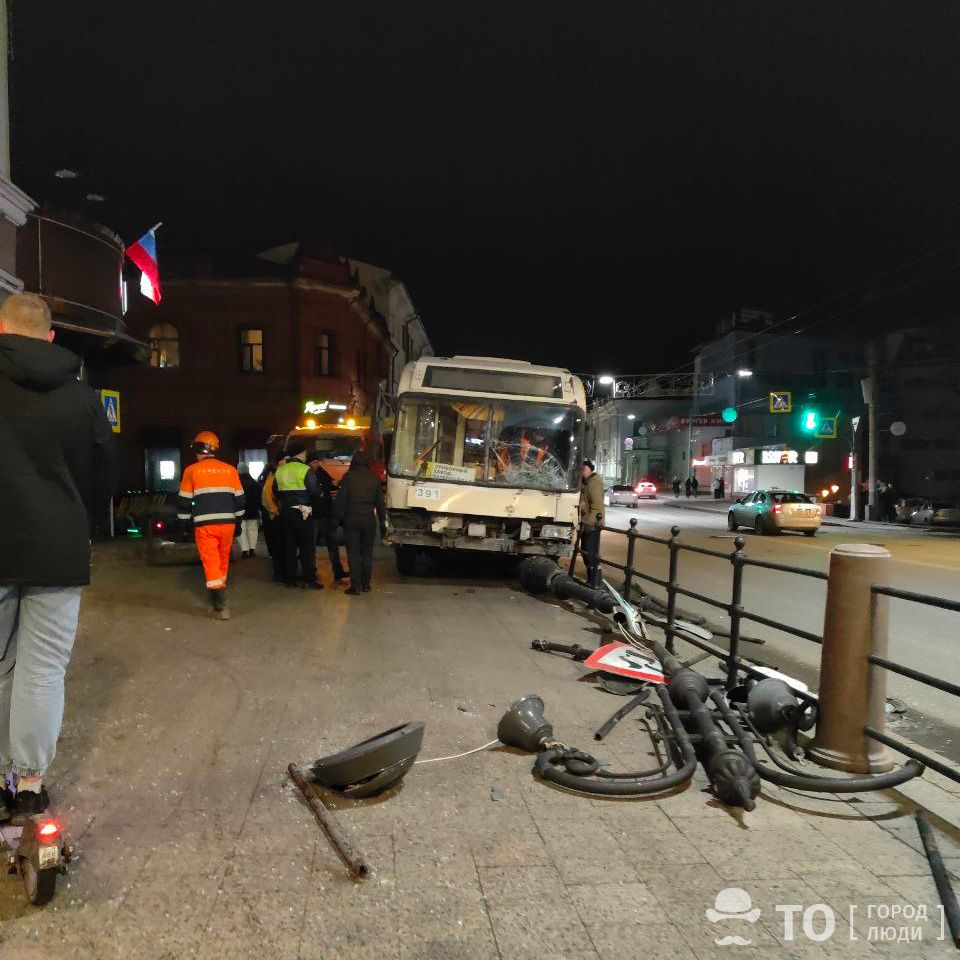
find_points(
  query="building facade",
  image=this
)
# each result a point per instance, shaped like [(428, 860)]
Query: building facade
[(919, 389), (243, 351), (751, 359), (642, 430), (386, 296), (14, 203)]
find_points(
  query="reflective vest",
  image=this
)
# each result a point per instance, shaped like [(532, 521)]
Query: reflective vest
[(295, 484)]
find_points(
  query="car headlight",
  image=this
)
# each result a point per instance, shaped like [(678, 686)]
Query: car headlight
[(552, 531)]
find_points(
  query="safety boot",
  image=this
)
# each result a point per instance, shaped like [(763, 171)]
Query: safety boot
[(218, 602)]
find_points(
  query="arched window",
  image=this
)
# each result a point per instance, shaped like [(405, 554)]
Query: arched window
[(164, 345)]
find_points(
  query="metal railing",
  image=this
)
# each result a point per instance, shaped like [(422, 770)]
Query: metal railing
[(732, 659)]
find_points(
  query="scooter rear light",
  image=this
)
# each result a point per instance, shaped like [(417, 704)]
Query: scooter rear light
[(158, 526), (49, 830)]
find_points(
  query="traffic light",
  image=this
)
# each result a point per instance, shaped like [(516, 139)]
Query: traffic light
[(809, 421)]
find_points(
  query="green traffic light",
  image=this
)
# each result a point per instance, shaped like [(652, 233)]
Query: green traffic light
[(810, 421)]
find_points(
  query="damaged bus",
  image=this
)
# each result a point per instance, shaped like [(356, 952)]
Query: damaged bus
[(486, 456)]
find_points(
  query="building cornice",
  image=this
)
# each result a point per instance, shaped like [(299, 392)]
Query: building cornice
[(14, 203)]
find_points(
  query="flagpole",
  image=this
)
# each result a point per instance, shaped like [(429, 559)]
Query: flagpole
[(156, 226)]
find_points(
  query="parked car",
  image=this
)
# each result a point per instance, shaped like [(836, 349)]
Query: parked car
[(622, 495), (771, 511), (169, 540), (936, 513), (906, 507)]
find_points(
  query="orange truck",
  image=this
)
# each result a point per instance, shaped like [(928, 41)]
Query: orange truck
[(338, 434)]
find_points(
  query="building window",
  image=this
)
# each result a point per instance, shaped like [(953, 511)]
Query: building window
[(251, 350), (161, 468), (324, 358), (164, 346)]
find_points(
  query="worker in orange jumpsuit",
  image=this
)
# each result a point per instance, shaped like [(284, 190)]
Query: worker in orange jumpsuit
[(212, 496)]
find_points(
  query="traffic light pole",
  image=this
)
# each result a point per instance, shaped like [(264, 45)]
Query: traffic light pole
[(873, 428)]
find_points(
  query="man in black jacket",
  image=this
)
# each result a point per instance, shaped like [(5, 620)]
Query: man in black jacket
[(359, 508), (323, 513), (59, 459)]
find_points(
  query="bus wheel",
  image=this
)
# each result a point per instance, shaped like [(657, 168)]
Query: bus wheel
[(406, 560)]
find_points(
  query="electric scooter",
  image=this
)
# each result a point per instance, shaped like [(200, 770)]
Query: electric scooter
[(36, 852)]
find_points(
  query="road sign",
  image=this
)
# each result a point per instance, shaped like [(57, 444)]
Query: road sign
[(781, 401), (628, 443), (110, 400), (827, 428), (626, 661)]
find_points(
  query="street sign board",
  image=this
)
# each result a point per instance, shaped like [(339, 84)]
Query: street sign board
[(705, 420), (781, 401), (110, 401), (827, 428), (625, 661)]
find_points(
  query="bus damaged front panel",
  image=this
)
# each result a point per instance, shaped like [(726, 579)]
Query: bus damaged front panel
[(460, 517)]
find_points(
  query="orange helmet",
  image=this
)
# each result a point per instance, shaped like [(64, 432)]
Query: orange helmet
[(205, 442)]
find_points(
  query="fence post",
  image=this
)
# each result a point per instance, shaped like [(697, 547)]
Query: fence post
[(736, 609), (628, 573), (852, 691), (673, 546)]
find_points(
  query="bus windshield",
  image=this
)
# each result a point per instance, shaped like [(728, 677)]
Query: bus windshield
[(508, 443)]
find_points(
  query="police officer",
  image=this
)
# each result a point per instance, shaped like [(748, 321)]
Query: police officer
[(359, 509), (296, 486)]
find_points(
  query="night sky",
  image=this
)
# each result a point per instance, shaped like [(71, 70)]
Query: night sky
[(590, 184)]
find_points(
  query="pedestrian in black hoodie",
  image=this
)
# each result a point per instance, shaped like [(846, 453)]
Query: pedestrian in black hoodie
[(58, 454), (359, 509)]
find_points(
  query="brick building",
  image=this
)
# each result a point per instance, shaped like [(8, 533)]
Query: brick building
[(239, 349)]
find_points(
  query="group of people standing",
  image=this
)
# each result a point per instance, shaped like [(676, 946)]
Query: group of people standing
[(691, 486), (299, 506)]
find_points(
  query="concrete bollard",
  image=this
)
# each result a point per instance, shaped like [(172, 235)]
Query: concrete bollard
[(852, 691)]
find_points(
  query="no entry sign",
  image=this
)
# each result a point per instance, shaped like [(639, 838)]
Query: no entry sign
[(626, 661)]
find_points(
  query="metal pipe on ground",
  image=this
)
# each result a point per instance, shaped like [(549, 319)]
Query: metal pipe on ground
[(355, 861), (940, 877)]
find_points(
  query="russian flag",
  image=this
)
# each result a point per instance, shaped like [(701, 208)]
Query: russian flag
[(144, 254)]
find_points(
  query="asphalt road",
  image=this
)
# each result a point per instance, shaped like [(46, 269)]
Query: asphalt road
[(921, 637)]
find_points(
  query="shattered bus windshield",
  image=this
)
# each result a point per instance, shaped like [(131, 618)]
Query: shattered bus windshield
[(505, 443)]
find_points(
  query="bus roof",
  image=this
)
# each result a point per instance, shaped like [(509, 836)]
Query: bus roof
[(478, 376)]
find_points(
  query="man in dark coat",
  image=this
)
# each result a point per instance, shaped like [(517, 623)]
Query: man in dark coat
[(323, 512), (59, 454), (359, 509)]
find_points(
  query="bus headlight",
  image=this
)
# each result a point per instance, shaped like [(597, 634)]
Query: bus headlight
[(552, 531)]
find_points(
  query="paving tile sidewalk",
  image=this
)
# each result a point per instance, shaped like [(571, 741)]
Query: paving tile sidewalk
[(194, 844)]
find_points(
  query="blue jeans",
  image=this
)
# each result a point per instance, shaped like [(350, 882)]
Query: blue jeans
[(37, 628)]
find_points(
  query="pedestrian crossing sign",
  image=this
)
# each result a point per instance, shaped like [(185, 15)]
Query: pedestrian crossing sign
[(827, 428), (781, 401), (110, 399)]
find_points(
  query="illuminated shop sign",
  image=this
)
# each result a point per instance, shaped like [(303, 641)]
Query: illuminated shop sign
[(321, 406)]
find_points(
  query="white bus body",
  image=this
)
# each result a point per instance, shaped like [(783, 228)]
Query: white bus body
[(486, 456)]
